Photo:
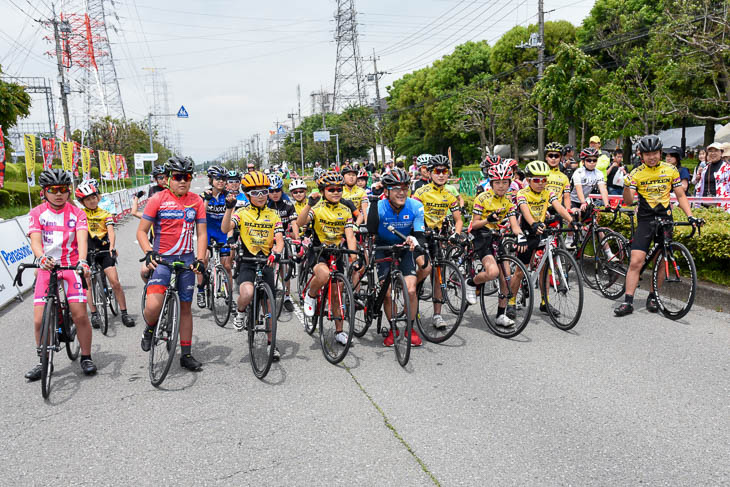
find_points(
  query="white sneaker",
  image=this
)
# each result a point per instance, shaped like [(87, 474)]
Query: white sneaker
[(239, 320), (341, 338), (438, 322), (609, 254), (569, 243), (471, 294), (504, 321), (309, 304)]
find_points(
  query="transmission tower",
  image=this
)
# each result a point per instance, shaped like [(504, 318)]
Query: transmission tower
[(349, 86)]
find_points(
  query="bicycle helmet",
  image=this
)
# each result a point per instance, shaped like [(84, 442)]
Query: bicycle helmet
[(674, 151), (346, 169), (159, 171), (438, 160), (511, 162), (363, 174), (423, 159), (84, 189), (180, 164), (396, 177), (330, 178), (93, 181), (217, 172), (233, 176), (297, 184), (54, 177), (537, 168), (567, 149), (589, 152), (650, 143), (554, 147), (501, 171), (275, 182), (255, 179)]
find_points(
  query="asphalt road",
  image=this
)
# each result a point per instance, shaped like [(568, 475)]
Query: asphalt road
[(640, 400)]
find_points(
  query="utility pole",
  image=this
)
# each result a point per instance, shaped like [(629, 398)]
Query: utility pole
[(299, 104), (66, 28), (376, 76), (538, 41)]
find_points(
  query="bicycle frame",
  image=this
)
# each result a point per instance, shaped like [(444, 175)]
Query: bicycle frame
[(547, 256)]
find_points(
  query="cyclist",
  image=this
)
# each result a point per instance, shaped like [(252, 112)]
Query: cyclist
[(353, 193), (405, 215), (486, 163), (653, 181), (586, 180), (423, 173), (318, 170), (557, 181), (102, 237), (298, 192), (280, 202), (176, 214), (490, 208), (437, 201), (533, 203), (58, 234), (261, 235), (160, 174), (215, 207), (233, 186), (362, 180), (331, 222)]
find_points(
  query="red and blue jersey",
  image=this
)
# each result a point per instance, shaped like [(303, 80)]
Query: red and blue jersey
[(174, 221)]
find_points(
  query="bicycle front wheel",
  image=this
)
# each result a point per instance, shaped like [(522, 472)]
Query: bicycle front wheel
[(73, 346), (221, 296), (401, 325), (589, 260), (164, 340), (100, 300), (48, 345), (562, 289), (336, 311), (111, 298), (613, 265), (262, 331), (440, 316), (518, 303), (675, 281)]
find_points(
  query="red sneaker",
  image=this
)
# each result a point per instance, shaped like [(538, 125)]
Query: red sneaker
[(388, 342), (415, 339)]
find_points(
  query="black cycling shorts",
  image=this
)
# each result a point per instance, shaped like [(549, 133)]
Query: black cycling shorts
[(644, 235), (104, 260), (485, 244), (533, 242), (247, 273)]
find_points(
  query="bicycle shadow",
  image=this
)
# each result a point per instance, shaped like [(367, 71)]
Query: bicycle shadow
[(108, 363), (208, 353), (65, 383)]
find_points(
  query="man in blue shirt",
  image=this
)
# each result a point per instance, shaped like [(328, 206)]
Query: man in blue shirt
[(406, 216)]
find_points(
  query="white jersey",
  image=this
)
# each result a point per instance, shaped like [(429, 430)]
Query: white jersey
[(588, 180)]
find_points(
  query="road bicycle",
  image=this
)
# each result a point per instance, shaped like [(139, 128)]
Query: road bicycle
[(102, 295), (218, 289), (586, 249), (56, 325)]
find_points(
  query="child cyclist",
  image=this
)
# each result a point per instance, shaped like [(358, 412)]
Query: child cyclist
[(298, 192), (262, 234), (58, 233), (491, 207), (103, 238)]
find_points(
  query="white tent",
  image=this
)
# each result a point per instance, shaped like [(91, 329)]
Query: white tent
[(723, 135)]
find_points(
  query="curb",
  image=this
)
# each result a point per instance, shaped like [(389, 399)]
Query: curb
[(713, 296)]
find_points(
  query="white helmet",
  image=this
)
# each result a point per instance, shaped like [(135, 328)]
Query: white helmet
[(85, 188), (423, 159), (297, 184)]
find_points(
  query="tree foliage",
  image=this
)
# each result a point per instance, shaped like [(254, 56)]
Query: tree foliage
[(14, 103)]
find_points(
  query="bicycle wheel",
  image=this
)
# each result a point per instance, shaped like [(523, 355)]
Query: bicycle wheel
[(73, 346), (613, 264), (589, 260), (363, 318), (100, 300), (676, 269), (279, 290), (209, 287), (164, 340), (263, 325), (511, 269), (333, 350), (400, 323), (562, 289), (221, 296), (48, 345), (449, 285), (286, 269), (111, 297)]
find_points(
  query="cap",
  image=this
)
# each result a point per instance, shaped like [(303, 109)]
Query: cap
[(716, 145), (595, 139)]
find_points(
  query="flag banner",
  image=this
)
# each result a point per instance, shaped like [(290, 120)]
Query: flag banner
[(67, 155), (2, 158), (113, 166), (121, 167), (49, 147), (76, 158), (29, 140), (126, 168), (104, 165), (86, 162)]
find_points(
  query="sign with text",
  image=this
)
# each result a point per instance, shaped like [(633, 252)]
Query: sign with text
[(321, 136)]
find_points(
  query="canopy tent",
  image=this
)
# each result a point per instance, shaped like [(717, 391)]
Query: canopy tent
[(723, 135), (695, 136)]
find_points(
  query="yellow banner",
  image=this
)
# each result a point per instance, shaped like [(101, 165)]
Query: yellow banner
[(30, 158), (104, 164), (67, 155), (86, 160), (113, 165)]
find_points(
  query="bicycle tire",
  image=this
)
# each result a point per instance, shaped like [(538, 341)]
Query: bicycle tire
[(332, 350), (221, 287), (208, 289), (73, 346), (566, 267), (588, 261), (524, 300), (663, 297), (400, 324), (164, 339), (611, 274), (111, 297), (452, 284), (260, 349), (100, 301), (48, 345), (286, 255), (363, 317)]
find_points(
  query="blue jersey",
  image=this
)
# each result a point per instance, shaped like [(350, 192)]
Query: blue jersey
[(408, 220), (241, 200), (215, 208)]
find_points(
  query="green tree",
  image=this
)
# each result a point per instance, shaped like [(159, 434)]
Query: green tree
[(15, 103), (477, 113), (517, 116)]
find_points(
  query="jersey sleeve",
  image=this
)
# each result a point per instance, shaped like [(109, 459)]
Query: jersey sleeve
[(632, 179), (34, 224), (153, 205), (552, 197), (520, 199), (200, 216), (577, 176), (478, 208), (417, 194), (419, 224), (81, 221), (454, 204), (278, 227), (674, 176), (236, 218)]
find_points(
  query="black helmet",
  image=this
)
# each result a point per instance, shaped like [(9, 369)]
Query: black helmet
[(675, 151), (180, 164), (650, 143), (438, 160), (159, 170), (54, 177), (396, 177)]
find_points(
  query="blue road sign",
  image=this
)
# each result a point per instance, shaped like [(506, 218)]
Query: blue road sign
[(182, 113)]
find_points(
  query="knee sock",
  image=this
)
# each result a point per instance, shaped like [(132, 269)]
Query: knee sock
[(500, 310), (629, 298)]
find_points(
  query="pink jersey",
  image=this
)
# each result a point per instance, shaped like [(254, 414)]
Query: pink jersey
[(58, 231), (174, 221)]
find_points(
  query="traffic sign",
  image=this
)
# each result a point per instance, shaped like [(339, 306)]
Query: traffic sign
[(321, 136), (182, 113)]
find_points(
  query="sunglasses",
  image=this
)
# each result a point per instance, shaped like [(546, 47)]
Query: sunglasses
[(398, 188), (274, 190), (553, 155), (298, 191), (179, 177), (441, 170), (160, 177), (258, 192), (57, 189), (590, 160), (334, 189), (538, 180)]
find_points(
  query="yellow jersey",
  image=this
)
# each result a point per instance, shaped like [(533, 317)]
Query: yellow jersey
[(558, 183), (299, 206), (98, 220), (538, 203), (654, 186), (436, 202), (329, 222), (356, 195), (258, 227), (487, 203)]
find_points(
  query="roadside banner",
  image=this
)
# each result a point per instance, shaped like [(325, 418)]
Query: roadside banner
[(76, 158), (14, 250), (67, 155), (113, 167), (122, 165), (86, 162), (2, 158), (48, 147), (29, 140), (104, 169)]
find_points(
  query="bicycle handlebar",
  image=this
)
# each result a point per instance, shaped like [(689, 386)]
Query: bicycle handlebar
[(18, 281)]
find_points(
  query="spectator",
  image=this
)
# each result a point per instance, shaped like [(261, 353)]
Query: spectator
[(400, 164), (714, 180), (571, 165), (673, 156), (318, 170), (413, 169), (616, 173), (370, 167), (702, 157), (726, 152)]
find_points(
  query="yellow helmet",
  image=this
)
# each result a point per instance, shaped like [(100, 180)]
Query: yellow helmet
[(255, 179), (537, 168)]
